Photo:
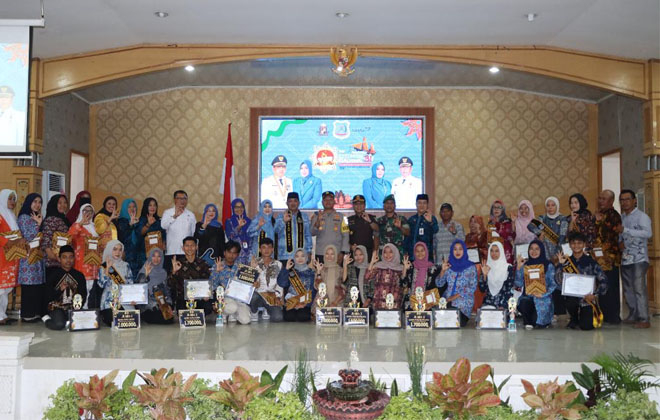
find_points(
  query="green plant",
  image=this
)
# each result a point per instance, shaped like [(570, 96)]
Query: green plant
[(460, 393), (589, 380), (553, 401), (303, 377), (164, 393), (284, 406), (505, 412), (625, 406), (415, 354), (275, 383), (238, 391), (394, 389), (94, 394), (498, 388), (405, 407), (203, 408), (123, 405), (377, 383), (64, 403), (619, 372)]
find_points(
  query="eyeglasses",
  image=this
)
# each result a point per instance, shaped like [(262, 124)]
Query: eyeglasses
[(497, 207), (181, 198)]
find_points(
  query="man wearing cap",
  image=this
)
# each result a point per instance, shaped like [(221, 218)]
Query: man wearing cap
[(276, 187), (360, 230), (406, 187), (423, 226), (448, 231), (292, 228), (12, 121), (392, 228), (329, 228)]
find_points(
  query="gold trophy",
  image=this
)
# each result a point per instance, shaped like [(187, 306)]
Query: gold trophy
[(77, 302), (322, 298), (191, 304), (355, 294), (419, 296), (513, 306), (219, 305), (114, 303)]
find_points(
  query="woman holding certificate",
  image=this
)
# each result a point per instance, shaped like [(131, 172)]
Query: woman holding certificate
[(31, 268), (500, 226), (422, 273), (460, 275), (332, 275), (114, 270), (357, 268), (8, 269), (536, 277), (297, 279), (80, 231), (159, 308)]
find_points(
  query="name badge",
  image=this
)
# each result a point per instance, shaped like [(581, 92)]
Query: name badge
[(421, 231), (245, 245), (598, 252)]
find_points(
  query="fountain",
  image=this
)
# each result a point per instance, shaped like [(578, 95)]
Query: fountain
[(350, 398)]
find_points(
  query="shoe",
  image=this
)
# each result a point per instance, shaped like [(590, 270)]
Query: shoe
[(265, 316), (31, 320), (231, 318), (642, 325), (541, 327), (572, 325), (529, 327), (555, 319), (254, 317), (629, 321)]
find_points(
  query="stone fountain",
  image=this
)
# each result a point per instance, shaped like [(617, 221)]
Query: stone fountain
[(350, 398)]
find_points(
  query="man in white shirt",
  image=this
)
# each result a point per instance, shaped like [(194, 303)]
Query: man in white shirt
[(406, 187), (277, 186), (12, 121), (178, 223)]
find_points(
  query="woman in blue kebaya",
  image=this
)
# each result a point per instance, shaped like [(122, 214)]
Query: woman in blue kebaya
[(308, 187), (262, 226), (376, 188)]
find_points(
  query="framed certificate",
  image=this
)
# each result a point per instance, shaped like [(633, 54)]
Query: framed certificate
[(473, 255), (201, 289), (577, 285), (491, 319), (522, 251), (240, 290), (388, 318), (83, 320), (446, 319), (138, 293)]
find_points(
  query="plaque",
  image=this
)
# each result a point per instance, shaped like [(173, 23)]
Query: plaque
[(303, 299), (240, 290), (153, 240), (14, 251), (328, 316), (35, 254), (197, 289), (473, 255), (535, 280), (577, 285), (491, 319), (446, 319), (83, 320), (59, 240), (137, 294), (126, 320), (419, 320), (192, 318), (388, 318), (247, 274), (356, 317), (92, 255)]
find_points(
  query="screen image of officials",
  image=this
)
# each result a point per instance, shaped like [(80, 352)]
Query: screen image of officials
[(12, 121)]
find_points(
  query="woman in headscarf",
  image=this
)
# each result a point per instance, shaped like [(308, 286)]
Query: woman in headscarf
[(128, 234), (525, 216), (261, 227), (422, 273), (460, 275), (295, 269), (376, 188), (55, 221), (105, 222), (83, 197), (112, 263), (477, 237), (8, 269), (31, 276), (149, 222), (387, 276), (210, 236), (308, 187), (357, 268), (536, 308), (556, 222), (499, 225), (236, 227), (332, 275), (498, 278), (81, 229), (581, 219), (153, 273)]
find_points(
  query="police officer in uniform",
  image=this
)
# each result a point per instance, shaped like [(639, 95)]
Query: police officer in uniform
[(406, 187), (360, 229), (330, 229), (277, 186)]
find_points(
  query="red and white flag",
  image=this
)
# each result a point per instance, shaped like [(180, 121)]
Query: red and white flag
[(227, 183)]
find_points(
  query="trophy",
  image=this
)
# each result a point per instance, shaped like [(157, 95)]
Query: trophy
[(419, 296), (389, 301), (191, 304), (442, 303), (219, 305), (355, 294), (114, 303), (322, 298), (512, 314), (77, 302)]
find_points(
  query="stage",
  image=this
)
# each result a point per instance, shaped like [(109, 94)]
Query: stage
[(538, 355)]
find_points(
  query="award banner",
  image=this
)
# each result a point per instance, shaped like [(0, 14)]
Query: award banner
[(83, 320), (328, 316), (356, 317), (419, 320), (388, 318), (192, 318), (446, 319), (126, 320), (491, 319)]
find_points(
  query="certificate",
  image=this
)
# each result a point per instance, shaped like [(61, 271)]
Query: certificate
[(240, 291), (522, 251), (138, 293), (491, 319), (388, 318), (83, 320), (566, 249), (577, 285), (201, 289), (473, 255), (446, 319)]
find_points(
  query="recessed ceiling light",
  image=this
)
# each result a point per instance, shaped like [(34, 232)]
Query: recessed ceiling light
[(342, 15), (494, 70), (531, 16), (161, 14), (190, 68)]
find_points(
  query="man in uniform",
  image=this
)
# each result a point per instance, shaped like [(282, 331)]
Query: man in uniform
[(406, 187), (423, 226), (12, 121), (276, 187), (292, 229), (329, 228), (360, 231), (391, 227)]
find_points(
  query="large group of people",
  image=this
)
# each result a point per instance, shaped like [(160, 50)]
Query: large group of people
[(78, 250)]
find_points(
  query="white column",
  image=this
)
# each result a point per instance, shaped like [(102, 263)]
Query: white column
[(13, 349)]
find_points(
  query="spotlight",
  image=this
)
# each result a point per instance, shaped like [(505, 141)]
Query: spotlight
[(342, 15), (190, 68), (531, 16), (161, 14), (494, 70)]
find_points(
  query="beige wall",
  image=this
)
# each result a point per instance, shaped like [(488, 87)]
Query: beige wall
[(489, 143)]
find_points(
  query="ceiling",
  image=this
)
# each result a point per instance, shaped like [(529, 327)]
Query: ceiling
[(370, 72), (628, 28)]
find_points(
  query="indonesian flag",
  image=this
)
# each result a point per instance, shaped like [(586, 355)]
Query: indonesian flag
[(228, 183)]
